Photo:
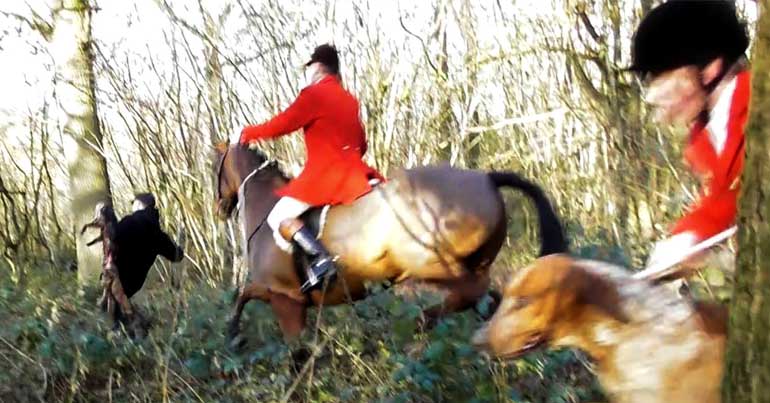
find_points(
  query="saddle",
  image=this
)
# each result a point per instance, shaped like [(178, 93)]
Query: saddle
[(314, 220)]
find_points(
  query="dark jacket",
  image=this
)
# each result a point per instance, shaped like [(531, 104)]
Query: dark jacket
[(139, 240)]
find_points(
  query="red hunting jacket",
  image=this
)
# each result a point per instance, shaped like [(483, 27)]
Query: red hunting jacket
[(715, 152), (335, 140)]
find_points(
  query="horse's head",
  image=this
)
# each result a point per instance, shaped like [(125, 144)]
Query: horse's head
[(234, 163)]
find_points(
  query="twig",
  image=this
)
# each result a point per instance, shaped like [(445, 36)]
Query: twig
[(589, 26), (21, 353), (200, 399), (355, 357), (518, 121), (44, 28), (304, 370)]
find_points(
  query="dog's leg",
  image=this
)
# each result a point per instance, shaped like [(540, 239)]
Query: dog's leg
[(115, 288), (121, 298)]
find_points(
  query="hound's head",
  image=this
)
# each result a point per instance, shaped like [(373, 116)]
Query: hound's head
[(546, 302)]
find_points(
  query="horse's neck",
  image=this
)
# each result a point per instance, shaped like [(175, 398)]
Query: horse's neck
[(244, 174), (257, 198), (258, 194)]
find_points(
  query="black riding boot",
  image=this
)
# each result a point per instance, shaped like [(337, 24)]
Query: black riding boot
[(321, 264)]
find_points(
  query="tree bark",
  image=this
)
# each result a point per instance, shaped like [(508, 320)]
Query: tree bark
[(747, 367), (75, 91)]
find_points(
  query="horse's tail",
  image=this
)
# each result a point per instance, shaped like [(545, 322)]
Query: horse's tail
[(552, 238)]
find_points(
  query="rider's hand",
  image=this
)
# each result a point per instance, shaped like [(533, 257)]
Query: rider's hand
[(242, 139), (249, 143), (672, 249)]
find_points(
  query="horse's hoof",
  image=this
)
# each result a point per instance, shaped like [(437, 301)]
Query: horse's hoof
[(115, 333), (139, 333), (415, 348), (236, 343), (137, 328), (299, 358), (427, 322), (102, 304)]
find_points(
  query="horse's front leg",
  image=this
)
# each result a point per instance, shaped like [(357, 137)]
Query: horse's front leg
[(233, 324), (247, 293), (291, 315)]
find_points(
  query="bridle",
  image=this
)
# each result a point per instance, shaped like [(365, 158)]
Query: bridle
[(242, 187), (241, 195)]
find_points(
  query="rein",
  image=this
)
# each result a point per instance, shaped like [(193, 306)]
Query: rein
[(242, 210), (242, 197)]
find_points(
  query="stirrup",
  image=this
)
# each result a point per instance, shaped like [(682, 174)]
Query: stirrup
[(319, 271)]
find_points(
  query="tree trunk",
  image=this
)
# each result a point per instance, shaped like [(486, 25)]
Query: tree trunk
[(88, 180), (213, 74), (747, 368)]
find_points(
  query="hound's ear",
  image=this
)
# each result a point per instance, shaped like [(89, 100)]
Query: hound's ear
[(221, 147), (597, 291)]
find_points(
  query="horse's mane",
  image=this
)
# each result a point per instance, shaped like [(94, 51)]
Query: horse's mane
[(258, 157), (255, 157)]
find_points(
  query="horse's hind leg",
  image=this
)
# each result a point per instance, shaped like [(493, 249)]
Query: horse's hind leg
[(113, 310), (113, 286)]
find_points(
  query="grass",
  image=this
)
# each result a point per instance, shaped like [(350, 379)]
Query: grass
[(56, 346)]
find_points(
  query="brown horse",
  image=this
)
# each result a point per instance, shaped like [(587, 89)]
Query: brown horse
[(439, 227)]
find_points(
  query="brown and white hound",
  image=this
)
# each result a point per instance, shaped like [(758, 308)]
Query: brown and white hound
[(649, 345)]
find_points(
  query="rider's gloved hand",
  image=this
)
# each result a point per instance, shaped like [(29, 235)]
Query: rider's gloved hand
[(247, 140), (242, 139)]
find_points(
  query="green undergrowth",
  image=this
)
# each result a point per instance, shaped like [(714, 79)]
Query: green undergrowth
[(55, 346)]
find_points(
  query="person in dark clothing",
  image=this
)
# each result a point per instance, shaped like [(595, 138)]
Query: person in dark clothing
[(140, 239), (130, 248)]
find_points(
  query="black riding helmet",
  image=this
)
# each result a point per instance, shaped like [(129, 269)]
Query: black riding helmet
[(688, 32), (327, 55)]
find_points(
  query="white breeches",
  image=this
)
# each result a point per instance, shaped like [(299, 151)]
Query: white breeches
[(287, 207)]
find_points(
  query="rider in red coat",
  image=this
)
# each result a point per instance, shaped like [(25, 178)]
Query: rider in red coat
[(715, 153), (691, 57), (334, 172)]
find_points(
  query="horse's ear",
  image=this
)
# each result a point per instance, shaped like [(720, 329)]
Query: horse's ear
[(221, 147)]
